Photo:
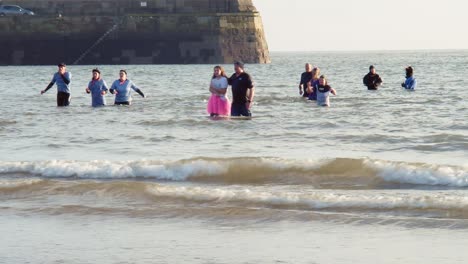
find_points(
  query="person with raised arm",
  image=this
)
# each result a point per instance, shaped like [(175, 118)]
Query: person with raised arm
[(62, 78), (323, 91)]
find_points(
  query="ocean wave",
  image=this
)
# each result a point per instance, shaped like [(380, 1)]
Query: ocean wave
[(138, 197), (330, 173), (346, 200), (18, 183)]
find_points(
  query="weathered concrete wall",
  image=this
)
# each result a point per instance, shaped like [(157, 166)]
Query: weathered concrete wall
[(177, 31), (86, 7)]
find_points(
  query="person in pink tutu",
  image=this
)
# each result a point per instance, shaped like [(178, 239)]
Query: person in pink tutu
[(219, 104)]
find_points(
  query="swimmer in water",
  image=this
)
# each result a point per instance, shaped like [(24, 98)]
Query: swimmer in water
[(97, 87), (323, 92), (122, 88), (410, 82), (62, 78)]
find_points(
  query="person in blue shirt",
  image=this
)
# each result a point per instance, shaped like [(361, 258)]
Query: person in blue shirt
[(323, 91), (97, 87), (122, 88), (410, 82), (62, 78)]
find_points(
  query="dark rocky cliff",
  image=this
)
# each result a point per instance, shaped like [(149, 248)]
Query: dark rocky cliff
[(133, 32)]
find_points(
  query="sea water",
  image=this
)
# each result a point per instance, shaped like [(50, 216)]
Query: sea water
[(378, 177)]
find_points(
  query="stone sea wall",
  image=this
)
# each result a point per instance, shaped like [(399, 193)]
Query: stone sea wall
[(133, 32)]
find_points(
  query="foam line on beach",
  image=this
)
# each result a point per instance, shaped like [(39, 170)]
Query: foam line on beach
[(327, 173), (347, 200)]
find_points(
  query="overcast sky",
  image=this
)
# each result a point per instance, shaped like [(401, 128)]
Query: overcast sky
[(302, 25)]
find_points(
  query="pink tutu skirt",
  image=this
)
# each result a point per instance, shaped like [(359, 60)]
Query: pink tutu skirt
[(219, 105)]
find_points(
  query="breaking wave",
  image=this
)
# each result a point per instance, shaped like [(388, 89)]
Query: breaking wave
[(331, 173)]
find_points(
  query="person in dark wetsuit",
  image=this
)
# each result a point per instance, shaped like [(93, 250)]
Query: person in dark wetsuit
[(305, 79), (62, 78), (243, 91), (122, 88), (372, 80)]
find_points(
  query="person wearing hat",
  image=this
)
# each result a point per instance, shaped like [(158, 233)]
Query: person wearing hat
[(62, 78), (372, 80), (122, 88), (410, 82), (243, 91), (97, 87)]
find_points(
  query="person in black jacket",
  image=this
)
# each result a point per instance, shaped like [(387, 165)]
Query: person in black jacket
[(372, 80), (243, 91), (305, 79)]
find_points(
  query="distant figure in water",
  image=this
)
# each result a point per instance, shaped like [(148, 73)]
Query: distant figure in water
[(62, 78), (243, 91), (410, 82), (305, 79), (97, 87), (323, 91), (122, 88), (219, 104), (312, 85), (372, 80)]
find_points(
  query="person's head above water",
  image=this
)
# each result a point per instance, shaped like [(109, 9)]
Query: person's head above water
[(315, 73), (62, 67), (218, 71), (308, 67), (239, 67), (372, 69), (123, 75), (96, 74), (409, 71), (323, 80)]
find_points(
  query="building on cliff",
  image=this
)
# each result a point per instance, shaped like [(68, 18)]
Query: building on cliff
[(133, 32)]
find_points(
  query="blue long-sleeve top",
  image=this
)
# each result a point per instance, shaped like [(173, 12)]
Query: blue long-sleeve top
[(96, 88), (62, 81), (410, 83), (124, 90)]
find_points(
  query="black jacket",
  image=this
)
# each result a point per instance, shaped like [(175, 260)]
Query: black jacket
[(372, 81)]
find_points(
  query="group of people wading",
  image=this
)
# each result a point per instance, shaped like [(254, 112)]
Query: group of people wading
[(243, 90), (314, 86), (97, 87)]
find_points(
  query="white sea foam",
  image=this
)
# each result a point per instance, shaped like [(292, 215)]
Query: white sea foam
[(112, 170), (319, 199), (421, 174), (250, 170)]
